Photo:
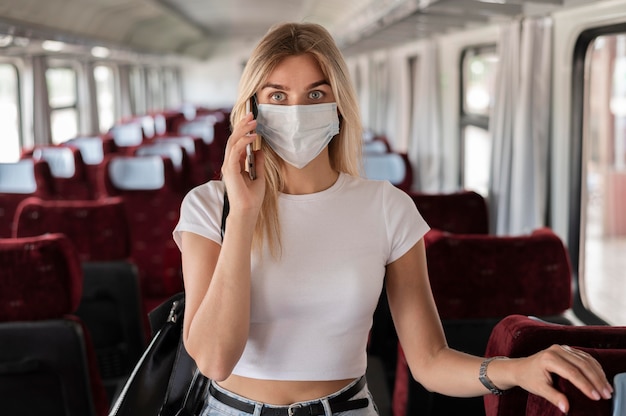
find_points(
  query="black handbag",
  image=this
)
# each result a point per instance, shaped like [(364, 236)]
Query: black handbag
[(166, 380)]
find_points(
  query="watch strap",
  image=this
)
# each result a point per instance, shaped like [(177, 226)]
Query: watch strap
[(482, 376)]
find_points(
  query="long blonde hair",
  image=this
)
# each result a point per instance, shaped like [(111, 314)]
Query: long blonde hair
[(281, 41)]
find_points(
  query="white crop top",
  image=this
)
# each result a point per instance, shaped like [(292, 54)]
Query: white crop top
[(312, 308)]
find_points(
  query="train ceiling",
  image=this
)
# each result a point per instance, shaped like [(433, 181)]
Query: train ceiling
[(198, 27)]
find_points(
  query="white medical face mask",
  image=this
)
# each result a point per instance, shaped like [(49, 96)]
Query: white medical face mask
[(298, 133)]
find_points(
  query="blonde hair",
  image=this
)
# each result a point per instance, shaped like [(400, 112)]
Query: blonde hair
[(282, 41)]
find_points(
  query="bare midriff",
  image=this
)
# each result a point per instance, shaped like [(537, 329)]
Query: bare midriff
[(280, 392)]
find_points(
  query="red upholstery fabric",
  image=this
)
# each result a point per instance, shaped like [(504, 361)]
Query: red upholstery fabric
[(520, 336), (476, 280), (152, 215), (198, 155), (218, 147), (10, 200), (612, 360), (93, 150), (172, 119), (40, 278), (486, 276), (463, 212), (401, 387), (176, 153), (60, 159), (97, 228)]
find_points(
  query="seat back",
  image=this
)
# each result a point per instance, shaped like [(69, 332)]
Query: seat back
[(127, 135), (149, 188), (393, 167), (173, 151), (376, 146), (93, 150), (495, 276), (110, 304), (197, 152), (476, 281), (97, 228), (19, 181), (520, 336), (47, 363), (68, 170), (463, 212)]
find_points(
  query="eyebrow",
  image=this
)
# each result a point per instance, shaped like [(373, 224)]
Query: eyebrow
[(284, 88)]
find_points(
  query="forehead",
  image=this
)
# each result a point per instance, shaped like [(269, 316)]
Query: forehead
[(297, 70)]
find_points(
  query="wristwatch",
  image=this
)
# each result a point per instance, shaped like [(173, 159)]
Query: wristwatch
[(482, 376)]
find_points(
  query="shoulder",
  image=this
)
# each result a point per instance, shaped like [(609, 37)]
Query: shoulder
[(204, 198), (380, 190), (207, 192)]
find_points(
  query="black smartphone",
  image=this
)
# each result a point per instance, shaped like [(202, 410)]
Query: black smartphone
[(250, 166)]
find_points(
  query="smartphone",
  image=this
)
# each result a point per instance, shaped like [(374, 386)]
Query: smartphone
[(250, 166)]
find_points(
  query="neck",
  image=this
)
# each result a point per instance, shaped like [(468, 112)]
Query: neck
[(314, 177)]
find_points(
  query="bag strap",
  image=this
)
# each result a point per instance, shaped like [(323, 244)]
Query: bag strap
[(225, 211)]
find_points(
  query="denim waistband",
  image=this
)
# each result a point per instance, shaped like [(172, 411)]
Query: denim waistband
[(338, 402)]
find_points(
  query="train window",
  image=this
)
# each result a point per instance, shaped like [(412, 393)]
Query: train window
[(154, 89), (105, 95), (63, 99), (171, 83), (138, 90), (603, 217), (479, 66), (9, 114)]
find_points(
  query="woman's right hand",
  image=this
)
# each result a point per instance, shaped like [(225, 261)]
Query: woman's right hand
[(244, 194)]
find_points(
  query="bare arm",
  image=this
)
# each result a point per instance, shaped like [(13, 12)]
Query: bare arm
[(217, 279), (441, 369)]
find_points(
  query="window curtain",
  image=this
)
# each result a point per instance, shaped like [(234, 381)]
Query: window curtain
[(379, 86), (425, 151), (42, 133), (519, 128)]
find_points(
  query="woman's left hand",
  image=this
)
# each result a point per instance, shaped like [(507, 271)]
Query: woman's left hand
[(534, 374)]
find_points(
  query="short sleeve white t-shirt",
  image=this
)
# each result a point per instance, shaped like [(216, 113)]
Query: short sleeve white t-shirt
[(312, 307)]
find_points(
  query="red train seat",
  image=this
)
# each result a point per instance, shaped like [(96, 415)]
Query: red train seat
[(463, 212), (19, 181), (150, 190), (111, 303), (47, 361), (520, 336), (476, 281)]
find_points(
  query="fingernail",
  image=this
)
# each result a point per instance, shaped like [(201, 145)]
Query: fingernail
[(606, 393), (562, 407), (596, 395)]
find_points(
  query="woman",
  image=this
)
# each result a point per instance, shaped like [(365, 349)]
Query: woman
[(278, 312)]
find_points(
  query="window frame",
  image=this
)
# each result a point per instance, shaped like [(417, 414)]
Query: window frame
[(467, 119), (578, 121), (55, 63), (19, 102)]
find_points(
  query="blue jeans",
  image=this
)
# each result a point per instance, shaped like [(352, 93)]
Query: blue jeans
[(214, 407)]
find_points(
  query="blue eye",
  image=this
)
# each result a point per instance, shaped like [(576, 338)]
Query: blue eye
[(316, 95), (278, 96)]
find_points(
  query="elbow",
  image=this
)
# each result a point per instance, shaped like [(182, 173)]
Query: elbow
[(422, 381), (214, 370), (214, 365)]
